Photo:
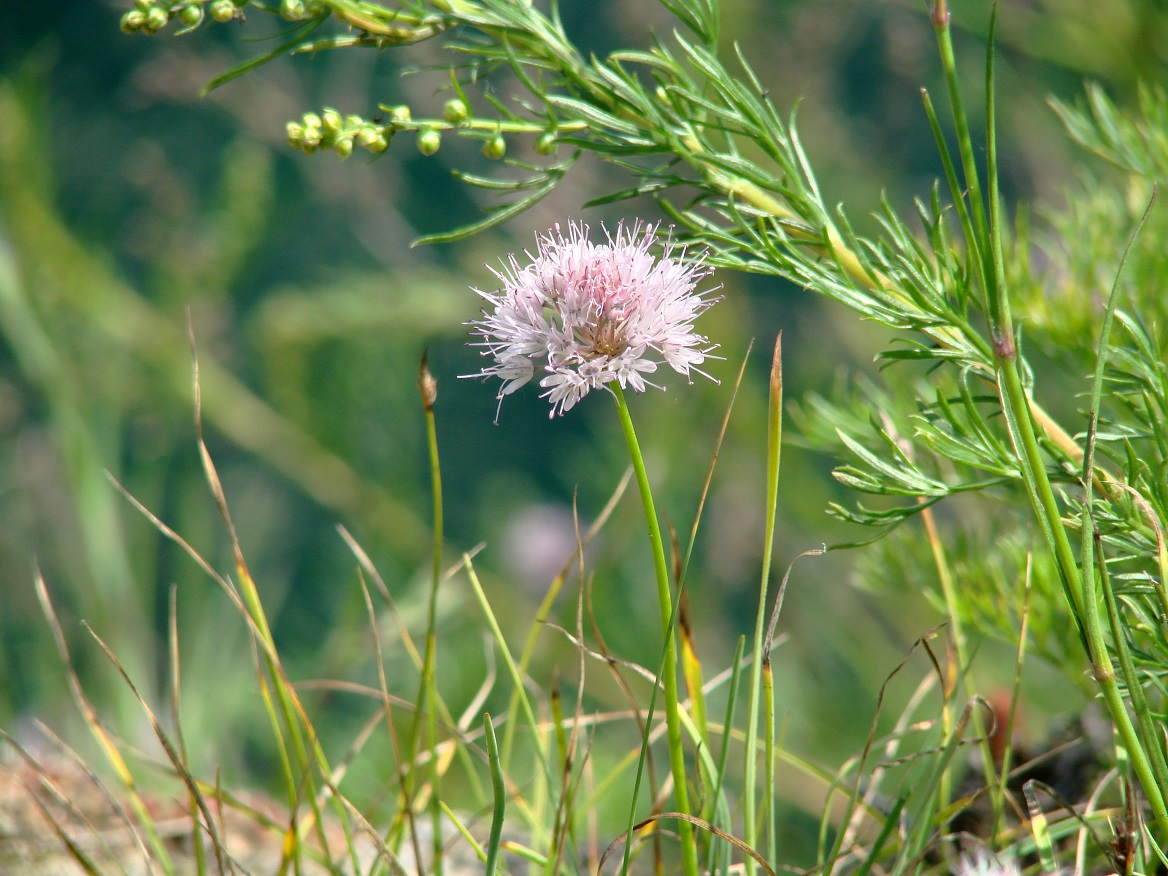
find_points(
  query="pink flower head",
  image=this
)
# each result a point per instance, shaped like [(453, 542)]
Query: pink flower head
[(583, 315)]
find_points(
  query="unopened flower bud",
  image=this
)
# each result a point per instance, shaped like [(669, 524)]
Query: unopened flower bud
[(496, 147), (343, 146), (353, 121), (143, 5), (132, 21), (312, 120), (156, 20), (456, 111), (367, 136), (427, 385), (400, 114), (292, 10), (311, 137), (330, 121), (191, 15), (379, 144), (546, 143), (295, 134), (223, 11), (428, 141)]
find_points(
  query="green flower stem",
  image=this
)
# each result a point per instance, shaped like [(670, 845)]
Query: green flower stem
[(427, 695), (760, 661), (669, 672)]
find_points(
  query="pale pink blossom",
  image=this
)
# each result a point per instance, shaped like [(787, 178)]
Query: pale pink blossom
[(582, 315)]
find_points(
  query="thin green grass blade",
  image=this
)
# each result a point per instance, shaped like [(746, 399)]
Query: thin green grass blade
[(1146, 753), (75, 813), (194, 799), (1146, 719), (768, 786), (497, 216), (957, 193), (923, 813), (774, 438), (171, 752), (499, 797), (1039, 829), (512, 668), (253, 63), (977, 206), (101, 735), (714, 858), (543, 612), (891, 822)]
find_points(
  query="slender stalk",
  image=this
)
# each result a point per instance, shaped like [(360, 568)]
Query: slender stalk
[(774, 440), (957, 631), (1084, 602), (1080, 585), (669, 671), (769, 752), (498, 797), (427, 698)]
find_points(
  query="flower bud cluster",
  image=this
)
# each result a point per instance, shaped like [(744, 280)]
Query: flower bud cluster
[(151, 16), (330, 130)]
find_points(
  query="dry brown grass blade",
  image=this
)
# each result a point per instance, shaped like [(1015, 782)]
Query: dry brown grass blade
[(366, 564), (306, 748), (772, 626), (407, 804), (66, 799), (209, 471), (74, 850), (699, 823), (374, 835), (573, 767), (718, 445), (96, 728), (172, 755), (260, 636), (224, 583), (614, 665)]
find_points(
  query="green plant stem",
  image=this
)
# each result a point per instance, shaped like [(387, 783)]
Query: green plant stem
[(987, 240), (1139, 702), (669, 671), (428, 699), (760, 658), (498, 797), (1084, 601)]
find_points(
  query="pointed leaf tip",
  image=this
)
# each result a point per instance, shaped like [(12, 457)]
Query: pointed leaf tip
[(777, 370)]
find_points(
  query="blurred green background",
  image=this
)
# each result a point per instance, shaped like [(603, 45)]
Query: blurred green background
[(130, 207)]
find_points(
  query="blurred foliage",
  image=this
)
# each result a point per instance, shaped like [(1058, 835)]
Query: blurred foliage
[(130, 210)]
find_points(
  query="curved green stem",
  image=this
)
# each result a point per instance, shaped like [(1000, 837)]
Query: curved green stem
[(669, 671), (427, 696), (1081, 591)]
